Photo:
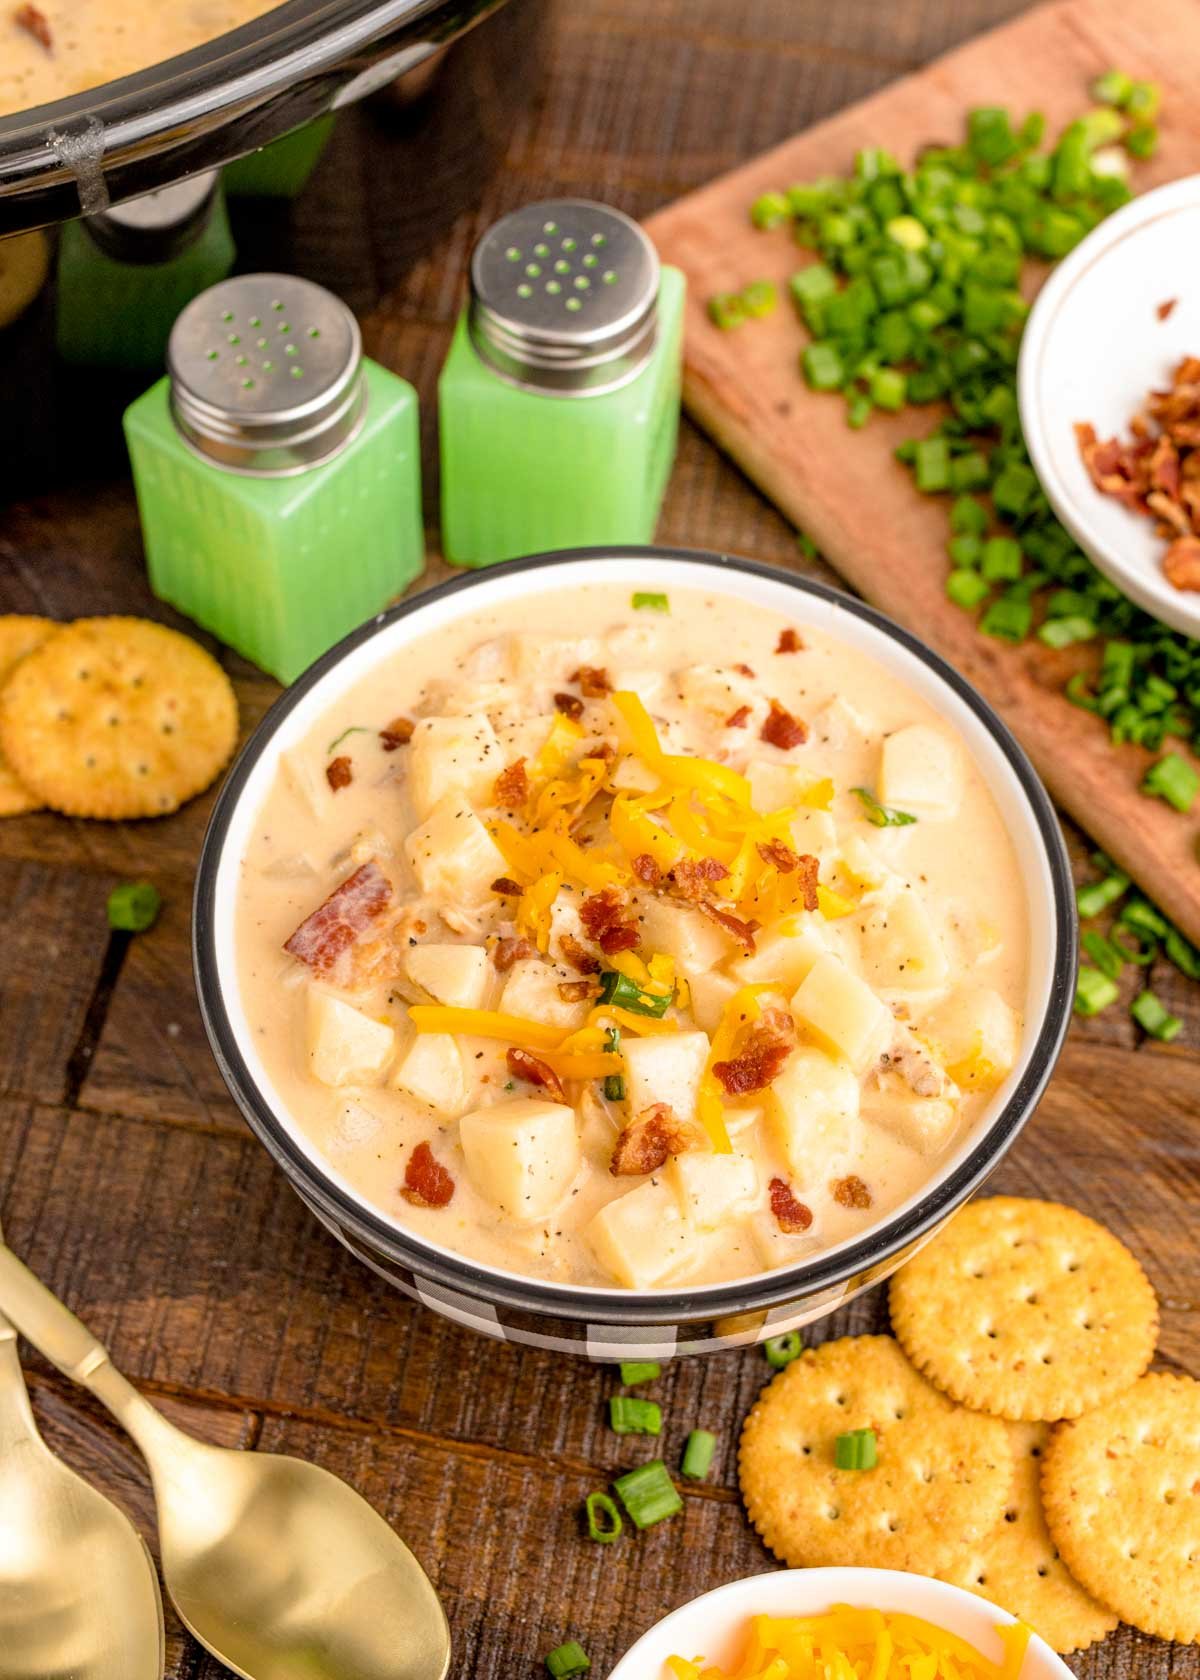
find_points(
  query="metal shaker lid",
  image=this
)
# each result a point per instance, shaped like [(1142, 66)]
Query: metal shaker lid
[(564, 298), (158, 225), (266, 375)]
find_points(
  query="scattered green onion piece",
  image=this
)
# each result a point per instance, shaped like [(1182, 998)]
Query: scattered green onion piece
[(770, 209), (1142, 953), (1172, 778), (628, 1415), (1105, 953), (968, 517), (1008, 619), (648, 601), (604, 1521), (967, 589), (635, 1371), (759, 297), (1140, 915), (1154, 1018), (1112, 88), (1143, 101), (614, 1090), (354, 729), (881, 816), (648, 1494), (823, 367), (1142, 140), (698, 1455), (781, 1350), (860, 410), (727, 310), (1093, 991), (1001, 561), (888, 389), (856, 1450), (567, 1660), (1096, 896), (133, 906), (1063, 632), (624, 993), (933, 464), (1182, 953)]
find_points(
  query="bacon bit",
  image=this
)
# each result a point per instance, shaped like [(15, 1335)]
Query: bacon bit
[(692, 877), (426, 1181), (1165, 308), (523, 1065), (778, 853), (398, 733), (645, 1143), (593, 681), (743, 670), (608, 921), (781, 729), (335, 925), (1181, 563), (512, 786), (577, 991), (570, 705), (742, 931), (768, 1045), (646, 870), (790, 1215), (851, 1192), (505, 952), (577, 954), (603, 750), (35, 23), (339, 772), (789, 642), (506, 887), (787, 862), (738, 719)]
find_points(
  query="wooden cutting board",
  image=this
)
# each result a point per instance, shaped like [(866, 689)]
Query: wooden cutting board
[(843, 488)]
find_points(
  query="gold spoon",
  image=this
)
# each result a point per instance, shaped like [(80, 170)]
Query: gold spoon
[(78, 1592), (275, 1565)]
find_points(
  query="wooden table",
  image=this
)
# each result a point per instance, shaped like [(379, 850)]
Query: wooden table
[(129, 1181)]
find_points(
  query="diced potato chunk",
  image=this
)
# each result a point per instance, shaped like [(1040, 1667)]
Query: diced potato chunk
[(812, 1112), (781, 956), (531, 658), (431, 1069), (900, 947), (453, 974), (920, 770), (641, 1237), (665, 1069), (522, 1155), (774, 786), (345, 1047), (531, 991), (861, 864), (814, 832), (523, 738), (683, 933), (453, 855), (841, 1012), (838, 724), (710, 993), (715, 690), (452, 755), (977, 1035), (924, 1123), (712, 1189)]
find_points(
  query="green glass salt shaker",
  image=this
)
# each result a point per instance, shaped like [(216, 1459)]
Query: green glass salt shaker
[(277, 472), (559, 401), (124, 275)]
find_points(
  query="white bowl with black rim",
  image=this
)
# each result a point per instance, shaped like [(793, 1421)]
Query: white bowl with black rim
[(610, 1323)]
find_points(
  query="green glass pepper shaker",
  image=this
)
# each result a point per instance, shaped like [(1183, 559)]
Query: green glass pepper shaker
[(277, 472), (124, 275), (559, 401)]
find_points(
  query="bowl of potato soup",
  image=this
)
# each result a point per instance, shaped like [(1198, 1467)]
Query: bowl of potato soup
[(639, 950)]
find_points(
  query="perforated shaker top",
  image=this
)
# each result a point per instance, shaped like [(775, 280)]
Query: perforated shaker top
[(564, 298), (266, 374)]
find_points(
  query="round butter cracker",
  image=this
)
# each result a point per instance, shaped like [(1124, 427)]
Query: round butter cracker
[(1026, 1309), (117, 718), (1017, 1566), (20, 633), (1121, 1492), (939, 1484)]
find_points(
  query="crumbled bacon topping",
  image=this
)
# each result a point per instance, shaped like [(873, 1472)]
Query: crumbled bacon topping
[(505, 952), (593, 681), (802, 864), (570, 705), (1181, 563), (1165, 308), (783, 730), (768, 1045), (577, 991), (335, 925), (738, 719), (506, 887), (524, 1065), (692, 877), (646, 1143), (743, 670), (426, 1181), (339, 772), (512, 785), (646, 870), (790, 1215), (34, 22), (779, 853), (609, 922), (398, 733), (851, 1192), (577, 954), (737, 929), (789, 642)]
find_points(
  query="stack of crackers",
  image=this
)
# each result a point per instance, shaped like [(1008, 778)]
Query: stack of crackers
[(1021, 1451), (108, 717)]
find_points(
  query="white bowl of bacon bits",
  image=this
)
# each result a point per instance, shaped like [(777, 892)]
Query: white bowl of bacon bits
[(1109, 387)]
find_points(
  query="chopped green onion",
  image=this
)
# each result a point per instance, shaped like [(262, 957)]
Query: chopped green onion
[(1096, 896), (1172, 778), (823, 367), (1093, 991), (1141, 915), (1154, 1018), (354, 729), (644, 601), (770, 210), (1008, 619), (614, 1091), (968, 517), (1142, 953), (1143, 101), (1142, 140), (635, 1371), (856, 1450), (1063, 632), (781, 1350), (1113, 88), (1182, 953), (604, 1521), (568, 1660), (627, 1415), (624, 993), (698, 1455), (727, 310), (759, 297), (966, 588), (933, 464), (648, 1494), (1002, 560), (881, 816), (133, 906), (1108, 957)]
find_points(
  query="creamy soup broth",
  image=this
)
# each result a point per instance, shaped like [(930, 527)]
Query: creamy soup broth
[(883, 1019)]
